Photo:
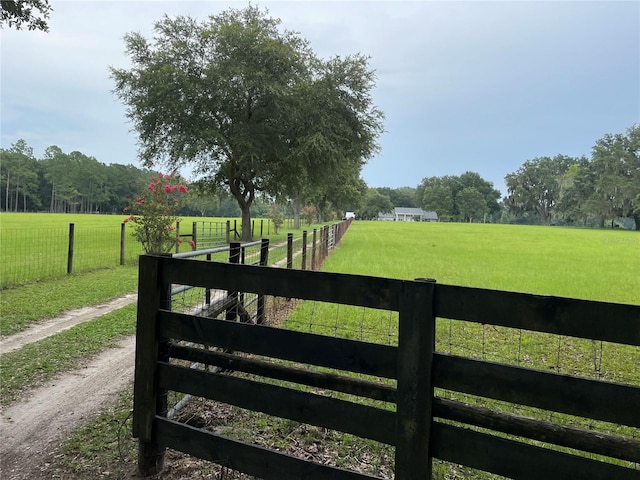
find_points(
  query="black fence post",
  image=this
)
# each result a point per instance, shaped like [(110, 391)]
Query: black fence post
[(72, 229), (304, 250), (122, 243), (207, 292), (149, 400), (234, 257), (313, 249), (289, 250), (261, 316), (178, 236), (416, 345)]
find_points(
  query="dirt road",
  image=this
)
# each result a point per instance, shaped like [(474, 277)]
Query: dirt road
[(34, 427)]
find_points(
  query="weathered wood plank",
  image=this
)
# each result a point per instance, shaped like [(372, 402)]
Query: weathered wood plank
[(518, 460), (361, 420), (303, 376), (374, 292), (250, 459), (148, 399), (324, 351), (535, 429), (598, 400), (610, 322), (416, 343), (144, 397)]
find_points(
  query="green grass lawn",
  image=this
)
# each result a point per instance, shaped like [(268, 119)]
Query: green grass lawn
[(35, 246), (579, 263), (589, 264)]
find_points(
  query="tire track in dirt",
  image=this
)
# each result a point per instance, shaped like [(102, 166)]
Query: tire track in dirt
[(35, 427), (67, 320)]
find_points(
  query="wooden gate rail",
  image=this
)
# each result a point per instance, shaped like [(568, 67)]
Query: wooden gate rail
[(412, 428)]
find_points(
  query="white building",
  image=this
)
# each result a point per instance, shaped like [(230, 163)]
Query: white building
[(408, 214)]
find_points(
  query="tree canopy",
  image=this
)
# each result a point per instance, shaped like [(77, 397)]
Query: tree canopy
[(466, 197), (249, 106), (562, 189), (30, 13)]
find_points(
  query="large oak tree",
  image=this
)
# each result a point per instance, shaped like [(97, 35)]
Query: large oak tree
[(230, 97)]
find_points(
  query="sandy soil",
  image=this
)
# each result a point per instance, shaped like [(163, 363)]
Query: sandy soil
[(55, 325), (33, 428)]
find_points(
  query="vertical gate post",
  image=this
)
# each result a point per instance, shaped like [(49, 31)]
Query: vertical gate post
[(261, 315), (71, 246), (289, 250), (313, 250), (178, 236), (416, 344), (234, 257), (207, 292), (148, 399), (228, 232), (304, 250)]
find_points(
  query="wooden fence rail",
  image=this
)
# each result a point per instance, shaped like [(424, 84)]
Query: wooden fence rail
[(421, 426)]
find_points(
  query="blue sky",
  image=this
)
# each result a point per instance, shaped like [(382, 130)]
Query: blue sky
[(479, 86)]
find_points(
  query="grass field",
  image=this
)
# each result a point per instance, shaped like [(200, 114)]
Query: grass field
[(580, 263), (34, 246)]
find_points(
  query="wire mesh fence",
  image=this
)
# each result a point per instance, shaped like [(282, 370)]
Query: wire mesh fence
[(28, 255), (38, 253)]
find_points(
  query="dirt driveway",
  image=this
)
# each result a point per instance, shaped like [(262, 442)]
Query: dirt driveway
[(34, 427)]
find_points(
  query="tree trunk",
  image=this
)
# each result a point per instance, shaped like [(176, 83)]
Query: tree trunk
[(296, 212), (246, 222), (636, 219), (15, 209), (6, 201)]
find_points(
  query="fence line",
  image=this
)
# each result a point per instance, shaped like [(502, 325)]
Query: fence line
[(38, 253), (424, 425)]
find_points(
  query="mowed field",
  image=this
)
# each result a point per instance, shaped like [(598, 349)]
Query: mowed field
[(34, 246), (580, 263)]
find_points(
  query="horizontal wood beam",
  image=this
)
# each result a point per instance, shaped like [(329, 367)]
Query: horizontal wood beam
[(535, 429), (359, 290), (244, 457), (610, 322), (519, 460), (361, 420), (342, 354), (303, 376), (598, 400)]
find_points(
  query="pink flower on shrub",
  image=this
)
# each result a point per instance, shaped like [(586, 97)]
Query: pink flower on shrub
[(155, 212), (193, 244)]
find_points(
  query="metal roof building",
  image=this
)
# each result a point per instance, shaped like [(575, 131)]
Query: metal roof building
[(408, 214)]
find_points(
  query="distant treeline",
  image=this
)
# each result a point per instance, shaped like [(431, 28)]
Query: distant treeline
[(600, 191), (603, 190), (76, 183)]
